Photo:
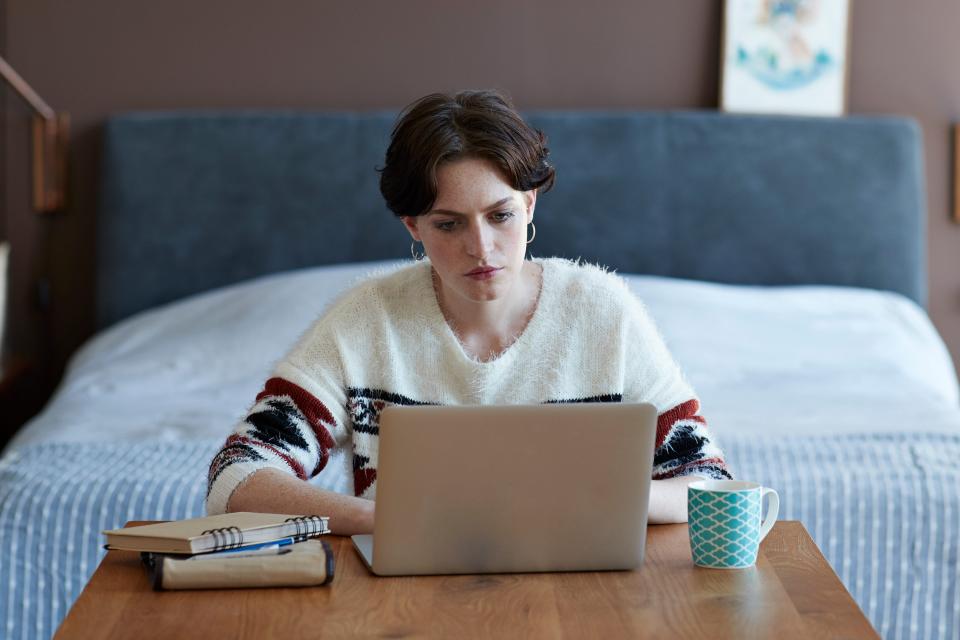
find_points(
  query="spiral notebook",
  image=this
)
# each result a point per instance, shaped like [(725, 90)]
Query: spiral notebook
[(309, 563), (216, 533)]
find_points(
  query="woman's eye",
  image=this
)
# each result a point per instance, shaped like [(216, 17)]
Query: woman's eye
[(446, 225), (503, 216)]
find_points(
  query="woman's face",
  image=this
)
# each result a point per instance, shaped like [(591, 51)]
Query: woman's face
[(476, 233)]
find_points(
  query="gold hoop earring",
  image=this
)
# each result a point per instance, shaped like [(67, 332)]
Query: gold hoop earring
[(534, 234), (417, 255)]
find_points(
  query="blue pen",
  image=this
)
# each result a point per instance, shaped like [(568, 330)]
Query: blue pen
[(274, 547)]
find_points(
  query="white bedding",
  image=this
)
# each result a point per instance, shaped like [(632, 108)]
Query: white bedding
[(799, 360)]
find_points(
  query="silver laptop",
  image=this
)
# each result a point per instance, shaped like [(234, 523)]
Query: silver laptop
[(503, 489)]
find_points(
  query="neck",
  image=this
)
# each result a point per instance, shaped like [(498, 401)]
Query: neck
[(487, 328)]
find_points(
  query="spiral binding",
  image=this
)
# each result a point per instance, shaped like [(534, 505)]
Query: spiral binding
[(225, 538), (307, 527)]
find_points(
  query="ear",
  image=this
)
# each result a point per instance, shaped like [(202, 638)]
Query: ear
[(531, 198), (410, 222)]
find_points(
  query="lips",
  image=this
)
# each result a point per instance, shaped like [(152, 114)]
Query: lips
[(482, 270), (483, 273)]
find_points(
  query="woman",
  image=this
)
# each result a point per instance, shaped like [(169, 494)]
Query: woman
[(470, 322)]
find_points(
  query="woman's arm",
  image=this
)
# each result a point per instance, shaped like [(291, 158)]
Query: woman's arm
[(273, 491), (668, 500)]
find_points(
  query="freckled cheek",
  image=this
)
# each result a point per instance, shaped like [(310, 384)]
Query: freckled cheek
[(517, 241), (442, 253)]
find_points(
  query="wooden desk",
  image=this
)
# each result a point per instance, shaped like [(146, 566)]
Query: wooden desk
[(791, 593)]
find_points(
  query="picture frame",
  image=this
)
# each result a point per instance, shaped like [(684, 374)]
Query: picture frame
[(785, 56)]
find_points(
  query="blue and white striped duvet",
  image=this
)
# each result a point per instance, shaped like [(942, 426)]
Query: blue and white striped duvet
[(843, 400), (884, 510), (55, 499)]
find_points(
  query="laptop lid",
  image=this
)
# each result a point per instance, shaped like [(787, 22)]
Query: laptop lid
[(501, 489)]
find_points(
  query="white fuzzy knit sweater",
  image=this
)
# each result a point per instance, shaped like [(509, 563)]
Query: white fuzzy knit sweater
[(386, 342)]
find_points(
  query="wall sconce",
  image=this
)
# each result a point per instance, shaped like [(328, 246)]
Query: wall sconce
[(49, 143)]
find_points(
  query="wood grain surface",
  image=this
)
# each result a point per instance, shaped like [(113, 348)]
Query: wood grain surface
[(790, 593)]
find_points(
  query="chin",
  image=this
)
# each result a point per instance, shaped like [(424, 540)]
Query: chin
[(490, 297), (484, 290), (485, 294)]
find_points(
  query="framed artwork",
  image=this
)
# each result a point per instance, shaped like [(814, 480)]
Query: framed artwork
[(785, 56)]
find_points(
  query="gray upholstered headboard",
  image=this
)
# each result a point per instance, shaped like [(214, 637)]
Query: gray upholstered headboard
[(193, 201)]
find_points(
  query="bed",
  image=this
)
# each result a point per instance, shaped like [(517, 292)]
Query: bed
[(783, 259)]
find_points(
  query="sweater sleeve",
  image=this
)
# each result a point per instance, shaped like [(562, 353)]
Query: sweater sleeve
[(293, 426), (684, 445)]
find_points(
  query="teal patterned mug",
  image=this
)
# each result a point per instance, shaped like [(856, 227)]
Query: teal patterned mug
[(724, 518)]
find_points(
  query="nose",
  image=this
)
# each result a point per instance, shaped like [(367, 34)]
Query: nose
[(479, 241)]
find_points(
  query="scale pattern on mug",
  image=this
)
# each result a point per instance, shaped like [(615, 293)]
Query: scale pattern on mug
[(724, 529)]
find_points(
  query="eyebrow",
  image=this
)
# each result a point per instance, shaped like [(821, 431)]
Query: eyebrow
[(498, 203)]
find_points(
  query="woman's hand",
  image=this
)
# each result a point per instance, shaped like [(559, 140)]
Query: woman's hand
[(668, 500)]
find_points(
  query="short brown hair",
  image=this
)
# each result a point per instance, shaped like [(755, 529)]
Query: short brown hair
[(439, 128)]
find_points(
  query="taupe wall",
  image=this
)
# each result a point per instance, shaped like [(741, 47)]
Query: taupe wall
[(100, 56)]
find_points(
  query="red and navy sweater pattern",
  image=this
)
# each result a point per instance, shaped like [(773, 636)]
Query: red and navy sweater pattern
[(285, 414)]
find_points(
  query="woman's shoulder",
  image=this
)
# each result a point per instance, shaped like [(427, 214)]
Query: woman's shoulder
[(373, 296), (580, 281), (354, 323), (592, 294)]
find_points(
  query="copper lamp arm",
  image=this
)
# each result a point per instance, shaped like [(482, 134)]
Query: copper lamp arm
[(25, 90), (49, 142)]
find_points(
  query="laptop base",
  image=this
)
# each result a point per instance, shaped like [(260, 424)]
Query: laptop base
[(364, 546)]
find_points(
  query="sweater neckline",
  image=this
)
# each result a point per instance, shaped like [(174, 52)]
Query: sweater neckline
[(451, 337)]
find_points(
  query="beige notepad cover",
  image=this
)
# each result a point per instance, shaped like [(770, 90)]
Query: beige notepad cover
[(303, 564), (212, 533)]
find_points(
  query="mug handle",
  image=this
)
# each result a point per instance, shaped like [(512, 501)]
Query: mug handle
[(772, 510)]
